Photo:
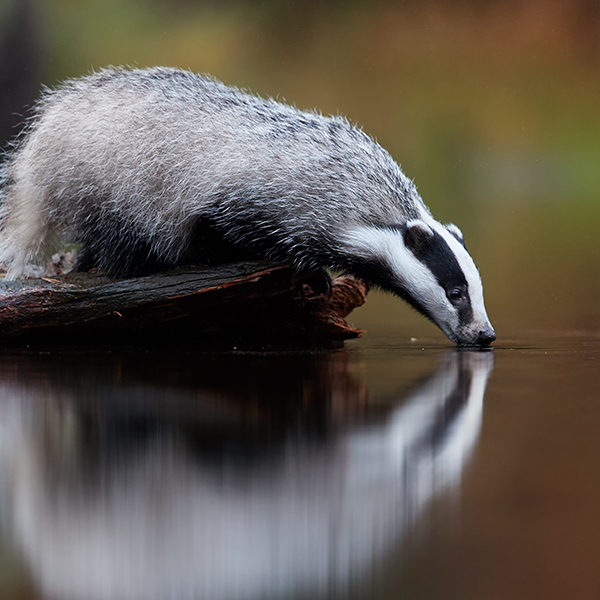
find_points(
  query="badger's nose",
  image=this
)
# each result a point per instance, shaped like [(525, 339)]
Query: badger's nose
[(486, 337)]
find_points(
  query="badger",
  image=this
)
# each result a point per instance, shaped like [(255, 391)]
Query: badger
[(148, 169)]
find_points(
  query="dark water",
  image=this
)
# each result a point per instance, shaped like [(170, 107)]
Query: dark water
[(381, 470)]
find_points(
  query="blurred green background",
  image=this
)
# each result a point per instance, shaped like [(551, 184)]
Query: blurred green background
[(491, 106)]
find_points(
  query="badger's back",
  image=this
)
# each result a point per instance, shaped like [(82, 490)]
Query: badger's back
[(146, 168)]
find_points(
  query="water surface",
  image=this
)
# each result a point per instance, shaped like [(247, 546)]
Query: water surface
[(380, 470)]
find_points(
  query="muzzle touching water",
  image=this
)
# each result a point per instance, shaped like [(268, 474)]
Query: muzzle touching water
[(486, 337)]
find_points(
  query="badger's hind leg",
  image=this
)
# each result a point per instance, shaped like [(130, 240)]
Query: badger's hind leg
[(112, 246), (26, 232)]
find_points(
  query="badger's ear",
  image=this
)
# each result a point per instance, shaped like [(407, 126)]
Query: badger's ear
[(417, 236), (452, 229)]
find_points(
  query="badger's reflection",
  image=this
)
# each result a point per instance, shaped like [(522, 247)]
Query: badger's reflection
[(225, 489)]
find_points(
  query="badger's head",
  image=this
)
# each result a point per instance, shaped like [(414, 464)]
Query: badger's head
[(427, 264)]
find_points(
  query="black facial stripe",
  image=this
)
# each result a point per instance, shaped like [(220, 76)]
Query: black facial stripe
[(437, 256), (441, 261)]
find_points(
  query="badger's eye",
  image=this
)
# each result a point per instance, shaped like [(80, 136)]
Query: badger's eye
[(455, 294)]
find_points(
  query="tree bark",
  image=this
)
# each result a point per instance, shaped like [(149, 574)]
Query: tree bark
[(242, 304)]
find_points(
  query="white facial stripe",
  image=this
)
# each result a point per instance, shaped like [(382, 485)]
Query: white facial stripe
[(411, 273), (415, 277), (372, 242)]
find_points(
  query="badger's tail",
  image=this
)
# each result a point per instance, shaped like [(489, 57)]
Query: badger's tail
[(25, 230)]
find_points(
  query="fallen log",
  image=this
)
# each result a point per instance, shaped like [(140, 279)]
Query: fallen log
[(242, 304)]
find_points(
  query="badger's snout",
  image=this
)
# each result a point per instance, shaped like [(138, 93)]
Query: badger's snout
[(486, 337), (481, 338)]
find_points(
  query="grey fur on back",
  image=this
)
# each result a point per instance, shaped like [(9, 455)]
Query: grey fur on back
[(152, 162)]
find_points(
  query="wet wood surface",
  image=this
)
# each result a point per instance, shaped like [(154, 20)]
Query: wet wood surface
[(239, 304)]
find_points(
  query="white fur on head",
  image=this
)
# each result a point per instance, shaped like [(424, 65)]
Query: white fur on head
[(456, 232), (408, 274), (409, 277)]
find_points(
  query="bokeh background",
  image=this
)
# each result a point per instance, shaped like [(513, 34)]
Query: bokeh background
[(491, 106)]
